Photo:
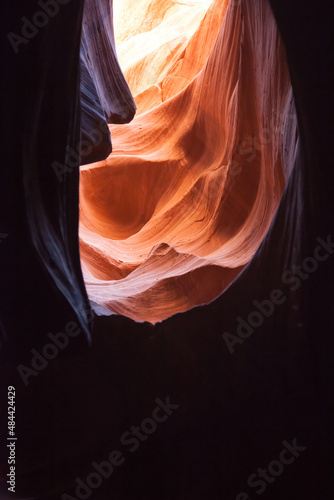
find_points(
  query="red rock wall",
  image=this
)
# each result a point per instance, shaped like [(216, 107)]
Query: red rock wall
[(184, 201)]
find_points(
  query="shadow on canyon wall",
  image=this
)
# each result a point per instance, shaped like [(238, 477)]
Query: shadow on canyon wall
[(219, 391)]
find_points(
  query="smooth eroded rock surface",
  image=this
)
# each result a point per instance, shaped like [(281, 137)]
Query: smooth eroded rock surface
[(189, 192)]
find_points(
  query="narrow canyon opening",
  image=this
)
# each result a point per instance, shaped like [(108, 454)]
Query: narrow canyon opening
[(182, 203)]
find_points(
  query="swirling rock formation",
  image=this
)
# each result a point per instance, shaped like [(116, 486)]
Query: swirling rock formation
[(237, 401), (155, 39), (105, 95), (40, 109), (169, 56), (182, 204)]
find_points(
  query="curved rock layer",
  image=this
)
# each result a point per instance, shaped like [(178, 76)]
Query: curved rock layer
[(160, 44), (98, 53), (184, 201), (162, 61), (104, 92)]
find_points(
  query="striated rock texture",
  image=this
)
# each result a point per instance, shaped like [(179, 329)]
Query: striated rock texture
[(184, 201), (237, 400), (162, 60), (152, 40), (105, 95), (40, 270)]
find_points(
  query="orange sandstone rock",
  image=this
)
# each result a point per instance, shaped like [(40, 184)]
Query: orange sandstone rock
[(189, 192)]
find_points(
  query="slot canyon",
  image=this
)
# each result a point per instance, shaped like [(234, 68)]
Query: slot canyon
[(166, 249), (182, 203)]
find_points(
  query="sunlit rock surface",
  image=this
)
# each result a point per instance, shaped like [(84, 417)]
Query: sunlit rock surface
[(153, 38), (189, 192), (239, 399), (169, 56)]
